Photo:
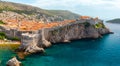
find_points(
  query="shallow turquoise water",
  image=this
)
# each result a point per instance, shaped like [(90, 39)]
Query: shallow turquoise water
[(88, 52), (5, 55)]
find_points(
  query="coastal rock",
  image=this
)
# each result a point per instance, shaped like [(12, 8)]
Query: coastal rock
[(66, 41), (33, 49), (111, 33), (29, 44), (45, 43), (103, 30), (13, 62), (91, 32), (73, 32)]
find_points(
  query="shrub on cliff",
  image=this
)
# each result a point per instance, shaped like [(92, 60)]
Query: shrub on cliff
[(1, 22), (2, 35), (87, 24), (99, 25), (14, 39)]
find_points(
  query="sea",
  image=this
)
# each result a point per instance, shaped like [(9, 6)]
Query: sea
[(103, 51)]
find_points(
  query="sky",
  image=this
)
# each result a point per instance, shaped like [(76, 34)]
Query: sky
[(104, 9)]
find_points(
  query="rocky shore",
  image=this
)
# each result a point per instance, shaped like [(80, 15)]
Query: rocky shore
[(37, 40), (13, 62)]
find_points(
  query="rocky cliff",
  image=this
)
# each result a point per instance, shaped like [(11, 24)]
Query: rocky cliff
[(76, 30)]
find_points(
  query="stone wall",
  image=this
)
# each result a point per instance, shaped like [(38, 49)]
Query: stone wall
[(10, 33), (71, 31), (29, 39)]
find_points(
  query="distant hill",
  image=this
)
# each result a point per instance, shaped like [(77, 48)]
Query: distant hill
[(114, 21), (64, 13), (31, 10)]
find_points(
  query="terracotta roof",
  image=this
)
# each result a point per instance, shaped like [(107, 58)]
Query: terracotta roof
[(31, 26), (85, 17)]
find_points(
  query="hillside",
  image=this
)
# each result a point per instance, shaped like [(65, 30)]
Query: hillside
[(114, 21), (64, 14), (31, 10)]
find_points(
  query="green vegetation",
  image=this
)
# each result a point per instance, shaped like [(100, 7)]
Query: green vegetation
[(27, 9), (23, 11), (14, 39), (87, 24), (64, 13), (8, 46), (54, 32), (99, 25), (2, 36), (1, 22), (6, 8)]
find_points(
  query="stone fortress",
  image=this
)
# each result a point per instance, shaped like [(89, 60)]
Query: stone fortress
[(37, 35)]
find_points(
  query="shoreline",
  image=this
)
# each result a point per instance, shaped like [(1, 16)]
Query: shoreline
[(9, 45), (9, 42)]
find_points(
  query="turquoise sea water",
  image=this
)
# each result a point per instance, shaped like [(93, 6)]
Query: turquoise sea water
[(88, 52)]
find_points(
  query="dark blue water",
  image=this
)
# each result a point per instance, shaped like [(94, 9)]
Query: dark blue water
[(88, 52)]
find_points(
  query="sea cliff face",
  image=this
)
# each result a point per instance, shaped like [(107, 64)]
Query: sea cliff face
[(72, 31)]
